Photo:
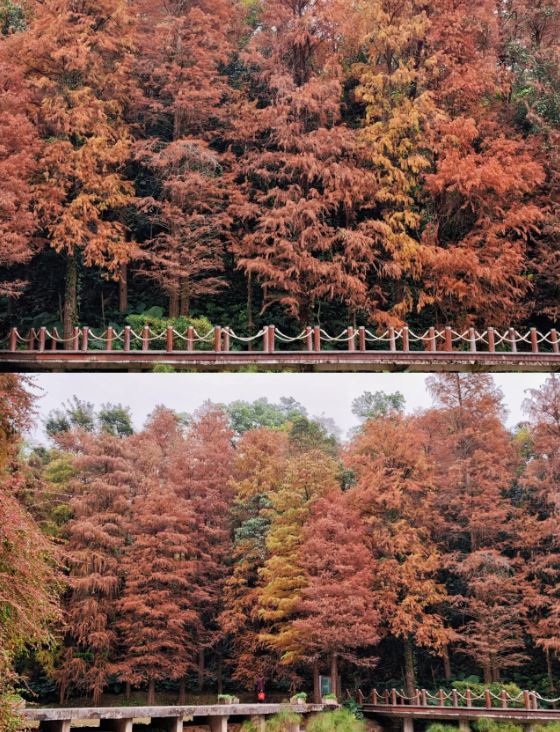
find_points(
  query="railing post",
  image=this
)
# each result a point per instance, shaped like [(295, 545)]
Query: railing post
[(13, 339), (487, 699), (85, 334), (392, 341), (534, 702), (394, 697), (317, 338), (472, 338), (416, 697), (468, 697), (309, 338), (351, 342), (534, 341), (491, 341), (454, 698), (362, 338), (374, 699), (272, 338), (218, 338), (265, 339), (512, 340), (169, 339), (441, 698), (76, 339), (109, 340), (526, 699), (448, 339), (405, 339), (31, 340), (42, 338), (504, 698), (554, 340), (190, 338), (424, 698), (145, 337), (227, 339), (432, 339), (126, 338), (54, 338)]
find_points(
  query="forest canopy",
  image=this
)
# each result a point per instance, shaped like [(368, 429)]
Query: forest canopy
[(255, 161), (204, 551)]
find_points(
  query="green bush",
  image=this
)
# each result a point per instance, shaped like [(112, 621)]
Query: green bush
[(477, 688), (340, 720), (283, 721), (494, 725), (158, 324), (301, 696)]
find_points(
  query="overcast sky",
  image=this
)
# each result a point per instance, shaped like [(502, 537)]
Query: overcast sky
[(330, 395)]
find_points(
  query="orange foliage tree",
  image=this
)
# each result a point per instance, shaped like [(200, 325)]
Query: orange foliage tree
[(305, 181), (394, 495), (475, 524), (185, 103), (75, 61)]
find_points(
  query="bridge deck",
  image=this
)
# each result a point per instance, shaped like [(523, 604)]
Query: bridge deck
[(202, 711), (325, 361), (406, 711)]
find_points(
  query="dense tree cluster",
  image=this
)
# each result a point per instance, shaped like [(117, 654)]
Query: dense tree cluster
[(207, 550), (301, 161)]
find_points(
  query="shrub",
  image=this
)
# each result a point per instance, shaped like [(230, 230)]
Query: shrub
[(339, 720), (154, 319)]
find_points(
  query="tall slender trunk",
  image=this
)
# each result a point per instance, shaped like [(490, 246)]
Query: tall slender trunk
[(151, 692), (487, 672), (250, 322), (220, 675), (70, 298), (551, 684), (182, 692), (174, 302), (127, 690), (201, 669), (446, 664), (334, 675), (316, 683), (184, 307), (123, 289), (409, 675)]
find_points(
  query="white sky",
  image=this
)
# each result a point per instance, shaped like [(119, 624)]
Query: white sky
[(330, 395)]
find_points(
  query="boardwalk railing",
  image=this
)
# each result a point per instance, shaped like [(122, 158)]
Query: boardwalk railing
[(270, 339), (524, 700)]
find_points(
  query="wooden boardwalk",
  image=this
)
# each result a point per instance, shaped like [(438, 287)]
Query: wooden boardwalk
[(170, 718), (313, 349), (526, 709)]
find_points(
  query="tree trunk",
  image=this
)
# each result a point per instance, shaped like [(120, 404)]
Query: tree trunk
[(174, 302), (201, 670), (446, 664), (185, 305), (151, 692), (551, 684), (70, 299), (316, 683), (220, 675), (182, 692), (123, 289), (487, 672), (334, 675), (127, 690), (409, 676)]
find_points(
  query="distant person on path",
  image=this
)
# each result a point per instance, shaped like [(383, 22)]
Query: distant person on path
[(259, 686)]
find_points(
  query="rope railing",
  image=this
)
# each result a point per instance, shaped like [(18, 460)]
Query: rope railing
[(269, 338), (487, 699)]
